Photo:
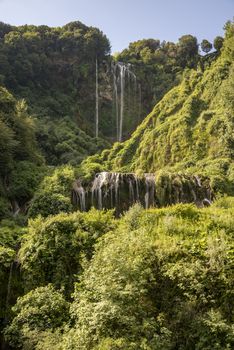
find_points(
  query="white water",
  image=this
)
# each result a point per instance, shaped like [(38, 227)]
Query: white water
[(114, 68), (198, 180), (122, 85), (79, 195), (121, 190), (106, 187), (100, 180), (150, 190), (120, 72)]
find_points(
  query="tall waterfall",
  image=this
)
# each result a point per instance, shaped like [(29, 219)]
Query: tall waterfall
[(122, 87), (122, 75), (97, 102), (115, 98)]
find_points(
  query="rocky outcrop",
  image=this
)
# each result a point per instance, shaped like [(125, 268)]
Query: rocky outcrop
[(119, 191)]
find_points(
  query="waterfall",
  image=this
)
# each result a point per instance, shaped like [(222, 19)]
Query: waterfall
[(109, 190), (78, 195), (150, 190), (122, 85), (97, 102), (119, 191), (97, 190), (198, 180), (120, 71), (115, 83), (131, 192), (137, 189), (116, 179)]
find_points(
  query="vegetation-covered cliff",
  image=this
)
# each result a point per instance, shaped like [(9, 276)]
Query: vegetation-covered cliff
[(54, 70), (144, 279), (190, 130)]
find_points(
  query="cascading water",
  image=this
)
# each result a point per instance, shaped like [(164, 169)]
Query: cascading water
[(78, 195), (119, 191), (122, 85), (115, 99), (150, 190), (98, 188), (122, 76), (116, 190)]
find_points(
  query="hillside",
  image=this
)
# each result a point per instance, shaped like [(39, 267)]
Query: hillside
[(62, 72), (53, 70), (190, 130), (122, 248), (154, 279)]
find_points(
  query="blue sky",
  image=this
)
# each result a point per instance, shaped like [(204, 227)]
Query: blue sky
[(124, 21)]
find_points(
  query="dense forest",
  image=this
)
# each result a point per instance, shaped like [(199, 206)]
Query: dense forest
[(116, 191)]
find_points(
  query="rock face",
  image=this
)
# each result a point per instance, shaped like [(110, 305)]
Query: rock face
[(119, 191)]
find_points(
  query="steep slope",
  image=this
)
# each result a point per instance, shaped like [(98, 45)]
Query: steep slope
[(53, 69), (21, 164), (189, 130), (57, 70)]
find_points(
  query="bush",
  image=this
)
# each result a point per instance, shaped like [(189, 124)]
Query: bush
[(55, 248), (40, 310), (25, 179), (48, 203), (54, 193)]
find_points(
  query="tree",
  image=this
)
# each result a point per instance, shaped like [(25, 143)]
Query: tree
[(206, 46), (54, 248), (187, 50), (40, 310), (218, 43)]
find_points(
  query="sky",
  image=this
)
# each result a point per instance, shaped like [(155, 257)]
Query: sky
[(125, 21)]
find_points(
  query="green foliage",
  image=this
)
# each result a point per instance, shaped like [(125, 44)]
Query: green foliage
[(224, 202), (40, 310), (206, 46), (152, 279), (47, 203), (218, 43), (54, 69), (157, 284), (5, 208), (17, 133), (64, 142), (159, 65), (54, 248), (10, 234), (190, 130), (54, 194), (159, 279), (188, 50), (24, 179), (214, 332), (20, 160)]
